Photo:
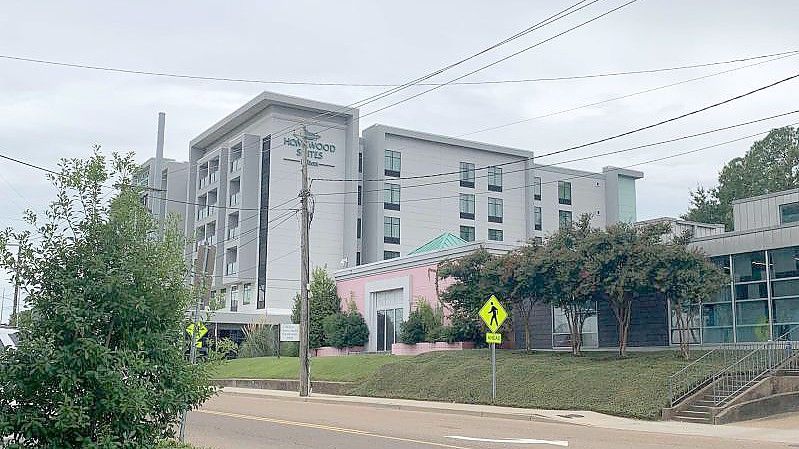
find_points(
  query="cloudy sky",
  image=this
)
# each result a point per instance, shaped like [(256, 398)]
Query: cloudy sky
[(48, 112)]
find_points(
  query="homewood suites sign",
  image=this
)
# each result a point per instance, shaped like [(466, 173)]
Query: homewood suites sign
[(316, 150)]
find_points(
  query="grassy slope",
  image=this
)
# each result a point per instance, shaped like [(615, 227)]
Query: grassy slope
[(342, 369), (635, 386)]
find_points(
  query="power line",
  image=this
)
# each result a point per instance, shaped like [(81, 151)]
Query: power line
[(587, 175), (594, 142), (350, 84), (542, 166)]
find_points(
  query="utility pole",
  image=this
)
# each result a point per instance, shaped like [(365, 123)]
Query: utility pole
[(203, 269), (305, 370), (12, 320), (2, 305)]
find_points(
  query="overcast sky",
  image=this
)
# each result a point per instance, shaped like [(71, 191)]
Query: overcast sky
[(48, 112)]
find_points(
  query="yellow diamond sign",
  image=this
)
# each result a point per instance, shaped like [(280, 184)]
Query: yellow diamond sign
[(493, 314)]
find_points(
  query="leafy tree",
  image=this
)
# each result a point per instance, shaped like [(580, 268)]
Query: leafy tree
[(101, 364), (346, 329), (567, 281), (525, 275), (620, 257), (474, 280), (770, 165), (685, 278), (323, 301)]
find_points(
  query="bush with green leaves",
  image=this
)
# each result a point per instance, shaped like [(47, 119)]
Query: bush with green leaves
[(260, 340), (346, 329), (323, 301), (423, 324), (101, 363)]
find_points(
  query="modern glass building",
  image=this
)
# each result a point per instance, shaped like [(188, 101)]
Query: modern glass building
[(761, 257)]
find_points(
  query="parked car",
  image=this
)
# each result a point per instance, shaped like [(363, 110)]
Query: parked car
[(8, 338)]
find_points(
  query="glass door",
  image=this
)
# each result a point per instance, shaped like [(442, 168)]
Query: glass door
[(388, 328)]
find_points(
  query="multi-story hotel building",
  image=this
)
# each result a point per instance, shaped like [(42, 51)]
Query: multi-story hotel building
[(375, 197)]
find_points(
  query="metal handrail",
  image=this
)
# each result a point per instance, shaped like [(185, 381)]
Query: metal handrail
[(739, 376), (698, 373)]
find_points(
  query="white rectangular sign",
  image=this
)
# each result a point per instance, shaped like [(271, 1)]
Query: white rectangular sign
[(289, 332)]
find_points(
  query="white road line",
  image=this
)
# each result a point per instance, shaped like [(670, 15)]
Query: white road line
[(510, 440)]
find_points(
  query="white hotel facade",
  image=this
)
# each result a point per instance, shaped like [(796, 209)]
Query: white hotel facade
[(374, 197)]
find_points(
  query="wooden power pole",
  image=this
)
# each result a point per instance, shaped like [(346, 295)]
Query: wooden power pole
[(305, 367)]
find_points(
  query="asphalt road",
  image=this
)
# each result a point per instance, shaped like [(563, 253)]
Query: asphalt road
[(246, 422)]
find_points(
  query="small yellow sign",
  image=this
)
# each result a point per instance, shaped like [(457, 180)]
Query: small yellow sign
[(493, 338), (493, 314), (201, 330)]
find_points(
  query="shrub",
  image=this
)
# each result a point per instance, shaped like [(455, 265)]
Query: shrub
[(322, 302), (260, 340), (346, 329), (422, 324)]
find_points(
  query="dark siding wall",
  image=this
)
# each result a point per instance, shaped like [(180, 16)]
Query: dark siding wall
[(649, 325), (540, 328)]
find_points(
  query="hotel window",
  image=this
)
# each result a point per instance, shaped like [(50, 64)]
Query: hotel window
[(222, 298), (391, 230), (495, 234), (246, 295), (467, 206), (393, 163), (537, 188), (235, 158), (232, 265), (391, 196), (358, 229), (233, 226), (495, 210), (234, 298), (537, 218), (360, 194), (360, 162), (564, 192), (789, 213), (495, 179), (358, 258), (564, 218), (467, 233), (467, 174), (390, 255), (235, 192), (561, 337)]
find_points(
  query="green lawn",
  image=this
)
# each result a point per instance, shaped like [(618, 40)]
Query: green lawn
[(340, 369), (635, 386)]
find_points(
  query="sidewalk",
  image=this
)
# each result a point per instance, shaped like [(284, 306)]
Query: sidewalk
[(748, 431)]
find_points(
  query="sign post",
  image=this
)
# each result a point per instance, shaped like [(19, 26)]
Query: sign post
[(493, 314)]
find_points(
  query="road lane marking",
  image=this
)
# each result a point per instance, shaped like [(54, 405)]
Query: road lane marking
[(511, 440), (329, 428)]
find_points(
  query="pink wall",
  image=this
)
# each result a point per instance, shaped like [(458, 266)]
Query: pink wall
[(422, 284)]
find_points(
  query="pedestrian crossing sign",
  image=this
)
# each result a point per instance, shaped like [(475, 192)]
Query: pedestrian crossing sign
[(493, 314), (493, 338)]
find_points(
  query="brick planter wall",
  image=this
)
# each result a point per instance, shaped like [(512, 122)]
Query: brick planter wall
[(421, 348), (329, 351)]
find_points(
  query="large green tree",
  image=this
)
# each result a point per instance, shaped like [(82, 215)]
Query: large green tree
[(620, 257), (685, 277), (770, 165), (570, 284), (323, 301), (101, 361)]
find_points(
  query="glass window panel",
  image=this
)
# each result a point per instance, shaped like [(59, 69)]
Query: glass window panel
[(717, 315), (786, 332), (389, 329), (495, 176), (560, 323), (755, 290), (749, 266), (752, 333), (561, 340), (752, 312), (718, 335), (467, 203), (467, 172), (537, 188), (467, 233), (785, 288), (723, 262), (789, 213), (786, 310), (692, 335), (723, 295), (565, 218), (784, 262), (537, 218), (381, 330)]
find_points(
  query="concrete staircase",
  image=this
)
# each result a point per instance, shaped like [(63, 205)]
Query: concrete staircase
[(699, 409)]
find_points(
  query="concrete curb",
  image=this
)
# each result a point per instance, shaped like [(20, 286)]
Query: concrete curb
[(444, 408)]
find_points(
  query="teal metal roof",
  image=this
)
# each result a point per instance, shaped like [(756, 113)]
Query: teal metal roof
[(443, 241)]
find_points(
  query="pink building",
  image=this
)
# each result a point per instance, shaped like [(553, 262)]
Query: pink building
[(387, 291)]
